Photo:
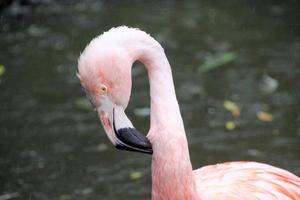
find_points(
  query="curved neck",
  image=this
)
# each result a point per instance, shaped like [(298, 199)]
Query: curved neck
[(172, 175), (164, 106)]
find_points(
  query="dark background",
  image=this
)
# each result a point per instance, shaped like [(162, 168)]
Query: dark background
[(52, 145)]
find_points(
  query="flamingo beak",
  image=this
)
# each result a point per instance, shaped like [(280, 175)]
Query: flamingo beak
[(123, 134)]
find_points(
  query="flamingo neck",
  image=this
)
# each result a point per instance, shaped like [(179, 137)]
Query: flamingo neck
[(172, 174)]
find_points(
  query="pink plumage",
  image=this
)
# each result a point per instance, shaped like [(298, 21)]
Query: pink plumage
[(234, 180), (106, 63)]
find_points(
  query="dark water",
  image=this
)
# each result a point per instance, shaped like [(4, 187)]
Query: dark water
[(51, 148)]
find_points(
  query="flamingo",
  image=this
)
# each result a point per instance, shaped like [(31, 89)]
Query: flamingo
[(104, 70)]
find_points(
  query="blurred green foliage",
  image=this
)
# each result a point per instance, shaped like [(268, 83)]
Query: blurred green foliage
[(217, 61), (2, 70)]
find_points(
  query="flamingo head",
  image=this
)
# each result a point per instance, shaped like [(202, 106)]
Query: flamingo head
[(105, 75)]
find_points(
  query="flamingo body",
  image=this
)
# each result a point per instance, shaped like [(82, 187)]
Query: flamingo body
[(247, 181), (104, 70)]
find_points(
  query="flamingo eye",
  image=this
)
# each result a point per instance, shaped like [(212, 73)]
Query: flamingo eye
[(103, 88)]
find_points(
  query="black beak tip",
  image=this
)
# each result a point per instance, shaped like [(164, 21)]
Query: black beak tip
[(133, 140), (123, 147)]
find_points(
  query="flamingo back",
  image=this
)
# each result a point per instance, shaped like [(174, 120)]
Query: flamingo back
[(247, 181)]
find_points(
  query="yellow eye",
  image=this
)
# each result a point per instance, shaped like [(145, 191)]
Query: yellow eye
[(103, 88)]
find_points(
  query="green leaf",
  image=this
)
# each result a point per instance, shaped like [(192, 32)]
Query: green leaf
[(217, 61), (232, 107), (230, 125), (135, 175), (2, 70), (265, 116)]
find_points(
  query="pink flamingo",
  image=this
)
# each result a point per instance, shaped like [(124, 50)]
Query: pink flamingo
[(104, 70)]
